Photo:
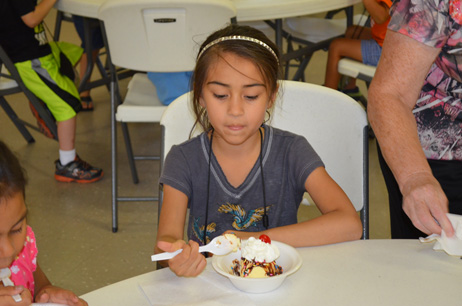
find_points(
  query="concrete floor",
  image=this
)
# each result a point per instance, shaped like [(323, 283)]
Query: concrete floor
[(72, 222)]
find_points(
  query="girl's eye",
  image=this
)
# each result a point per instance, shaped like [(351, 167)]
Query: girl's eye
[(16, 231), (251, 97), (219, 96)]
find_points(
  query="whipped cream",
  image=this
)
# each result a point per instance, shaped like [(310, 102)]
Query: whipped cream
[(259, 251)]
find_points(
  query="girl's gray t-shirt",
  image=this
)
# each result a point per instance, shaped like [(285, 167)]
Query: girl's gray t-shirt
[(288, 160)]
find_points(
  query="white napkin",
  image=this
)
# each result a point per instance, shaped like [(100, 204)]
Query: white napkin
[(453, 245), (208, 288)]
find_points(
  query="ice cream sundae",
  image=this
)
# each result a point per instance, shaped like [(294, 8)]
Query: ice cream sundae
[(258, 259)]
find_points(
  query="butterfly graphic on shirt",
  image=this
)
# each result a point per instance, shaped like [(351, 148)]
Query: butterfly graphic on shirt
[(243, 219), (199, 230)]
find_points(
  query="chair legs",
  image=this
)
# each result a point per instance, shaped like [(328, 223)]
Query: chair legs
[(130, 155), (131, 160), (16, 120)]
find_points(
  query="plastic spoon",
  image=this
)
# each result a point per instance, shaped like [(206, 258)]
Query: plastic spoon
[(5, 274), (220, 245)]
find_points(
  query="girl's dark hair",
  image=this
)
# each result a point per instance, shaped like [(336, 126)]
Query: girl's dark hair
[(266, 62), (12, 175)]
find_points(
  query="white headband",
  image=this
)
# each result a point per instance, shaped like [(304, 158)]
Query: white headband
[(238, 37)]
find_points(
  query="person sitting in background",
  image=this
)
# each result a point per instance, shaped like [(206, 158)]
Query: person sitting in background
[(363, 44), (415, 109), (23, 38), (18, 247)]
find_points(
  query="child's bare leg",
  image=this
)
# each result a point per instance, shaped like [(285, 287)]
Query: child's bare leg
[(339, 48), (66, 134), (83, 68)]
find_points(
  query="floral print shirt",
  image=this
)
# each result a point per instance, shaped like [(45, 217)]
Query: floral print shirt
[(438, 111), (23, 267)]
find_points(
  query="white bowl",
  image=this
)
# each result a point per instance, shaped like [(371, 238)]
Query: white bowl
[(289, 260)]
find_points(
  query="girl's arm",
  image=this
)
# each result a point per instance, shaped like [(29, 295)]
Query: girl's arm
[(41, 10), (393, 93), (378, 11), (45, 292), (339, 220), (170, 235)]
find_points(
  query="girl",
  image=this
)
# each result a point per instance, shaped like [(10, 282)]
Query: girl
[(241, 175), (18, 249)]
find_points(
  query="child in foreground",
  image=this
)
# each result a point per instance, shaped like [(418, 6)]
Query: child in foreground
[(242, 175), (18, 250)]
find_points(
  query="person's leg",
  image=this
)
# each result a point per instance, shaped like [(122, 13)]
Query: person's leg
[(66, 134), (339, 48), (87, 102), (43, 78), (449, 175), (356, 32), (96, 45)]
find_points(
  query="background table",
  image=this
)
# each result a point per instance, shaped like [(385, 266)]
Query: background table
[(365, 272), (247, 10)]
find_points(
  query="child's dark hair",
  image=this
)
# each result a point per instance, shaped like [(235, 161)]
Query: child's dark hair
[(12, 176), (266, 61)]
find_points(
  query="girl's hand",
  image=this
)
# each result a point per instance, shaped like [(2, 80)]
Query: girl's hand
[(52, 294), (189, 262), (6, 296)]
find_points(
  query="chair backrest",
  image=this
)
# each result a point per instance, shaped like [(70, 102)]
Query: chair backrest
[(161, 35), (337, 128), (11, 74), (334, 124)]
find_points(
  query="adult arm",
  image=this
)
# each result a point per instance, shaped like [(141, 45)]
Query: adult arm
[(394, 91), (170, 235), (34, 18), (339, 220)]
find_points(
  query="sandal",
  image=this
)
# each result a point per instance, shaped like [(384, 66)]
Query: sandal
[(87, 103)]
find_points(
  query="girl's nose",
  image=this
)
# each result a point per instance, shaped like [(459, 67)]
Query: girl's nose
[(6, 249), (236, 106)]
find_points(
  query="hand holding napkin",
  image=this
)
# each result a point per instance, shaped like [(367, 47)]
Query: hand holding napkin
[(452, 245)]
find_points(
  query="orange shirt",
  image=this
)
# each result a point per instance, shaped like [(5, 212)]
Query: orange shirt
[(379, 30)]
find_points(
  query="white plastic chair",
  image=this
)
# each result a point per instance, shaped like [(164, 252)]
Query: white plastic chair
[(355, 69), (314, 33), (334, 124), (152, 35)]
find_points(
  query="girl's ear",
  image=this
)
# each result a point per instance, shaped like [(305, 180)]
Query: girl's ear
[(202, 102), (273, 97)]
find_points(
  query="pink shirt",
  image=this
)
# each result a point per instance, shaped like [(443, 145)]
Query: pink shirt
[(24, 265)]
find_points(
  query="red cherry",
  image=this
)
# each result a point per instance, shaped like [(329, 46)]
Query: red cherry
[(265, 239)]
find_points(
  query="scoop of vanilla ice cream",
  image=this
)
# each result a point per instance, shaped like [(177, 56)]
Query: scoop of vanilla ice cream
[(234, 241), (255, 249)]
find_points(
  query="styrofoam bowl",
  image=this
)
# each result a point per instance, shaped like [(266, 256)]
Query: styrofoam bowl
[(289, 260)]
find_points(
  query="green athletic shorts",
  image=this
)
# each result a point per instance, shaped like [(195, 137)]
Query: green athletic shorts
[(43, 78)]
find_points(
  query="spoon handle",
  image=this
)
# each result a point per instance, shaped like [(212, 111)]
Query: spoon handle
[(165, 255), (168, 255), (7, 282)]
